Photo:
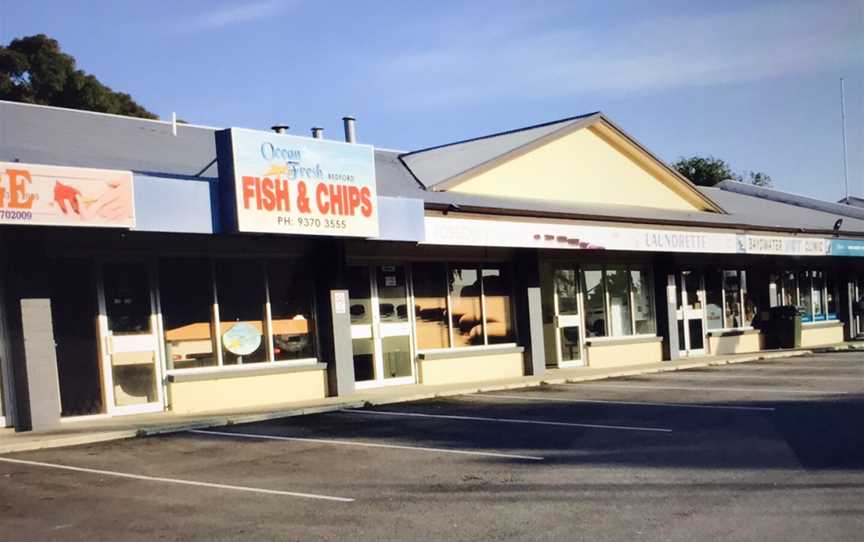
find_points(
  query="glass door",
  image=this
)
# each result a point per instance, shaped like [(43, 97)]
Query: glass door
[(128, 339), (381, 325), (690, 312), (568, 318), (857, 295)]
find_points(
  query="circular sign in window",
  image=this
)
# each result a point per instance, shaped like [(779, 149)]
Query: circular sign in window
[(242, 339)]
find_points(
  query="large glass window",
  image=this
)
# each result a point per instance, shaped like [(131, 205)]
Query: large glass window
[(497, 310), (714, 314), (643, 302), (733, 299), (620, 315), (430, 305), (292, 321), (186, 297), (812, 291), (619, 301), (805, 296), (595, 303), (471, 304), (467, 316), (241, 292)]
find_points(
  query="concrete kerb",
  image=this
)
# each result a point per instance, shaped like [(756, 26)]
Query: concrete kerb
[(38, 442)]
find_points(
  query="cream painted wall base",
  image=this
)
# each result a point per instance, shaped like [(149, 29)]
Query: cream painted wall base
[(246, 391), (622, 354), (735, 344), (471, 369), (821, 335)]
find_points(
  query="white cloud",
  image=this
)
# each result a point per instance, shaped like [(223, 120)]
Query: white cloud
[(237, 14), (509, 59)]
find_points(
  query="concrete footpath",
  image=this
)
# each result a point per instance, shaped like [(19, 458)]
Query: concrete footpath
[(101, 429)]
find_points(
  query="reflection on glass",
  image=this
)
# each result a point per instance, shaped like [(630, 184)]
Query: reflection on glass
[(831, 301), (567, 290), (467, 317), (496, 292), (364, 359), (240, 295), (397, 356), (805, 296), (643, 297), (570, 344), (127, 297), (732, 289), (818, 288), (789, 287), (134, 377), (359, 292), (186, 294), (392, 294), (292, 323), (714, 299), (430, 305), (595, 303), (620, 317)]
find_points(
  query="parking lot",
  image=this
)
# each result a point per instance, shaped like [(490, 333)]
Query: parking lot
[(769, 450)]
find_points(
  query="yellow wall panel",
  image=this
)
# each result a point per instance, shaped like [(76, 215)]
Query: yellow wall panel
[(471, 369), (624, 354), (821, 335), (582, 167), (246, 391), (735, 344)]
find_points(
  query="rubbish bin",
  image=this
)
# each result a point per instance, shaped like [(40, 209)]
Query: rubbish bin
[(782, 328)]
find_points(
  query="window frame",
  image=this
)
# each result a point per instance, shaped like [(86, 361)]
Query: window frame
[(827, 278), (267, 324), (607, 308), (479, 268)]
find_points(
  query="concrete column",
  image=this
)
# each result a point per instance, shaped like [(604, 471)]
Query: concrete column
[(341, 370), (40, 358), (529, 310), (672, 319)]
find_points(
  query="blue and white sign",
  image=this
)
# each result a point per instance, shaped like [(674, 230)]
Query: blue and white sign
[(276, 183), (847, 247), (241, 339)]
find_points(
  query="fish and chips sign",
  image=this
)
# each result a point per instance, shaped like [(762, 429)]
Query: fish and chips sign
[(276, 183), (43, 195)]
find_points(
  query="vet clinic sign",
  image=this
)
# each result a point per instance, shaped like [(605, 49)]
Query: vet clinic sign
[(276, 183)]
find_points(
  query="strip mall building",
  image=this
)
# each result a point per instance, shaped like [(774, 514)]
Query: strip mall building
[(149, 266)]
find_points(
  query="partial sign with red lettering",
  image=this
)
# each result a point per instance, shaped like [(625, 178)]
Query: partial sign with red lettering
[(42, 195), (298, 185)]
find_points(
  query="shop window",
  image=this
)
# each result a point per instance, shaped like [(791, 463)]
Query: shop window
[(186, 298), (240, 294), (430, 305), (619, 301), (714, 313), (789, 289), (497, 309), (470, 304), (812, 291), (618, 288), (830, 297), (292, 322), (805, 296), (467, 315), (595, 303), (733, 312), (643, 302)]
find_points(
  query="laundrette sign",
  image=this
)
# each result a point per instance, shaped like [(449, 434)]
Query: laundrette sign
[(276, 183), (504, 233)]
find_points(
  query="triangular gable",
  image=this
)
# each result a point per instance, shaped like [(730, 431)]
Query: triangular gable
[(583, 160)]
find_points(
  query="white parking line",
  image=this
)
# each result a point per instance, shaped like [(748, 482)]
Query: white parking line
[(504, 420), (634, 403), (715, 388), (176, 481), (721, 375), (369, 445)]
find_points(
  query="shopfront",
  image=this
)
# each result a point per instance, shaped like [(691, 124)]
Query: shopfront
[(297, 269)]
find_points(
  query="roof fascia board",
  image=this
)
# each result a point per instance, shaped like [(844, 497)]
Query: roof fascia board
[(641, 221), (520, 150)]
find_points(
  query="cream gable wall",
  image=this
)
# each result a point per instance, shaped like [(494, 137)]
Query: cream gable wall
[(585, 166)]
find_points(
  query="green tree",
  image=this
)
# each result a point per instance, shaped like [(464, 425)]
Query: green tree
[(34, 70), (709, 171)]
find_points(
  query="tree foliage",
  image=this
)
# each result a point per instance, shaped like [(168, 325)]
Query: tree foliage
[(34, 70), (708, 171)]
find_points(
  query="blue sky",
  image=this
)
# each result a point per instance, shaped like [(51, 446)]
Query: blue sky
[(754, 83)]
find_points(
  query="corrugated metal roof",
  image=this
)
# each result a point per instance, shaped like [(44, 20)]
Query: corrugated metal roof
[(50, 135), (436, 165)]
